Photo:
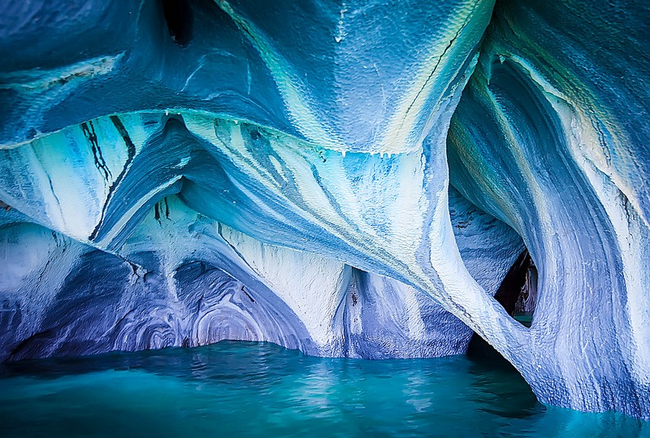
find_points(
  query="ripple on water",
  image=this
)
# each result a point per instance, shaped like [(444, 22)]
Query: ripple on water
[(258, 389)]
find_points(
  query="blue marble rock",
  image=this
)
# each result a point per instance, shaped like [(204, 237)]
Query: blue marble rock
[(182, 279), (345, 178)]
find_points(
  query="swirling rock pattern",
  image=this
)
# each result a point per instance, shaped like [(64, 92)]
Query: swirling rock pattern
[(176, 173), (557, 157), (182, 279)]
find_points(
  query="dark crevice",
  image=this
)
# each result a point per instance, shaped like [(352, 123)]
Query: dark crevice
[(131, 151), (179, 19), (35, 343), (89, 131), (247, 294), (517, 294), (525, 305), (514, 281)]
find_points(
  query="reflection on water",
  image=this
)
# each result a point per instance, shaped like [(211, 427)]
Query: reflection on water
[(257, 389)]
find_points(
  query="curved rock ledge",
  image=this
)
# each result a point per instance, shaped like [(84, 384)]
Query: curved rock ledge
[(173, 174)]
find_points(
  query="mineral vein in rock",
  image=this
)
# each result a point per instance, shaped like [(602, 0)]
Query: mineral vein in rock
[(351, 179)]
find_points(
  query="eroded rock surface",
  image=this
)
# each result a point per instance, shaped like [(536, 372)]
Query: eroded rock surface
[(176, 173)]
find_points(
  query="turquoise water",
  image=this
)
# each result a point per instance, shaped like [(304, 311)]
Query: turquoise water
[(255, 389)]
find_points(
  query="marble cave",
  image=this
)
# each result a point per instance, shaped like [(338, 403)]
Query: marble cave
[(362, 179)]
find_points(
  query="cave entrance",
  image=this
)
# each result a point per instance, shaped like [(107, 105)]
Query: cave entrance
[(518, 290), (179, 19), (518, 295)]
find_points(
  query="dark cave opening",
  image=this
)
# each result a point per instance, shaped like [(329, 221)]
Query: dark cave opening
[(179, 19), (517, 294), (518, 290)]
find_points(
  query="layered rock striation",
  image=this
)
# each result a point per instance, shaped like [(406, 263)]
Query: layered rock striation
[(350, 179)]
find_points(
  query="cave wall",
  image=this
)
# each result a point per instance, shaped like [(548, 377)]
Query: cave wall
[(547, 137), (182, 279), (175, 173)]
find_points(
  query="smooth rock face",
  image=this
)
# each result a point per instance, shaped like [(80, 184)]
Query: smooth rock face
[(552, 144), (176, 173), (182, 279)]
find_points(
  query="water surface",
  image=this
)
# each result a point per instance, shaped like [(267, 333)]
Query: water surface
[(261, 390)]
